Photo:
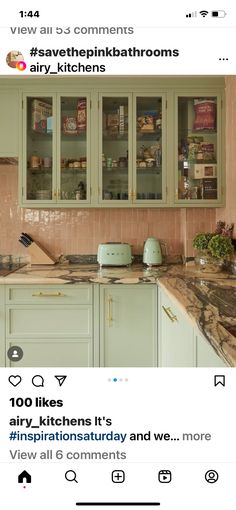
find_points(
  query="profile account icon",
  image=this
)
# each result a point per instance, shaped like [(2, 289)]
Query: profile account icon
[(15, 60)]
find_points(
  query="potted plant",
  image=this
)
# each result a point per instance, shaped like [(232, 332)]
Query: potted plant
[(213, 251)]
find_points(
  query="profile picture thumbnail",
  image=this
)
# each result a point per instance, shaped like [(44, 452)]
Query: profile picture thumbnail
[(13, 58)]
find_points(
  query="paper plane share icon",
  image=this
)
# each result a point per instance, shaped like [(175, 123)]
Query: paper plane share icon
[(61, 379)]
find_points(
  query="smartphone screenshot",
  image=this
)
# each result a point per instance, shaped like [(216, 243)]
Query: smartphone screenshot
[(117, 256)]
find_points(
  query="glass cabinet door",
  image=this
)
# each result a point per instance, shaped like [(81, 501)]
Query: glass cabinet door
[(114, 150), (39, 148), (73, 149), (197, 149), (149, 149)]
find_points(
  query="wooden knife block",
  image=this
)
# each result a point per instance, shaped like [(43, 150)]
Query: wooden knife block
[(39, 255)]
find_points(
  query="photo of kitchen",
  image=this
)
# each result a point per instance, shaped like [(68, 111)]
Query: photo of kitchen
[(118, 221)]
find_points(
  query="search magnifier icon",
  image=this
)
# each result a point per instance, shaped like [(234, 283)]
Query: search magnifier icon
[(70, 476)]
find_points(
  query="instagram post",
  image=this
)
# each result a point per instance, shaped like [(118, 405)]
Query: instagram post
[(117, 256)]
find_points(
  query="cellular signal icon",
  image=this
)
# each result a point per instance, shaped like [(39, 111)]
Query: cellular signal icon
[(191, 14), (204, 13)]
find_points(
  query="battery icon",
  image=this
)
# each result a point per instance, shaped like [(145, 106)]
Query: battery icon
[(218, 14)]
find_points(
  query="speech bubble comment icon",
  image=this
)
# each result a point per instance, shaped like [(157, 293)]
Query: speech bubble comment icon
[(38, 381)]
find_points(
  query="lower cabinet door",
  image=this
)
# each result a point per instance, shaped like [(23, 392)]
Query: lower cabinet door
[(206, 355), (176, 341), (42, 353), (128, 325), (2, 327)]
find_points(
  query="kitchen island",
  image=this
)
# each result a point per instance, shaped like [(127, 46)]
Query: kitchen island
[(208, 300)]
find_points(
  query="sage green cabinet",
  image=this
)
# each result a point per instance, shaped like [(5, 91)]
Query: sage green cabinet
[(132, 149), (180, 343), (132, 142), (2, 326), (52, 324), (9, 115), (128, 325), (56, 150), (206, 355), (176, 341), (199, 148)]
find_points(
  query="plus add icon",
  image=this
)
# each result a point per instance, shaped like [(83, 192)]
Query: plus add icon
[(118, 476)]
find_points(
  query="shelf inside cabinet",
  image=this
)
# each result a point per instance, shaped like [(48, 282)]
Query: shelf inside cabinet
[(40, 170), (115, 169), (38, 135), (149, 170), (151, 135), (115, 137), (79, 137), (73, 170)]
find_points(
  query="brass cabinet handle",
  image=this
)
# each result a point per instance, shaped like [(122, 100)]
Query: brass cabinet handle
[(134, 195), (55, 193), (48, 294), (169, 313), (109, 317)]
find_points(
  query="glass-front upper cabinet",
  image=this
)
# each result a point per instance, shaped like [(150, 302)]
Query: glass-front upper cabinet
[(199, 152), (115, 157), (148, 149), (72, 175), (56, 159), (39, 180), (131, 149)]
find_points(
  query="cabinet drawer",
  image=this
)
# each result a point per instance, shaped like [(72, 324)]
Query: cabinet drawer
[(53, 294), (25, 321), (50, 353)]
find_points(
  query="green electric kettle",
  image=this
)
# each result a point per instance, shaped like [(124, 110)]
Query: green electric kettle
[(152, 255)]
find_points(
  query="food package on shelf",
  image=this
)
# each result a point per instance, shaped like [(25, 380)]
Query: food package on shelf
[(208, 150), (112, 120), (193, 149), (69, 125), (145, 123), (205, 114), (40, 113), (81, 114)]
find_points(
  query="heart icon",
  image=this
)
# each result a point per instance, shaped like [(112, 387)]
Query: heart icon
[(14, 380)]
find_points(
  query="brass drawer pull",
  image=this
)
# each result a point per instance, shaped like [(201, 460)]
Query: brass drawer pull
[(49, 294), (170, 314), (109, 317)]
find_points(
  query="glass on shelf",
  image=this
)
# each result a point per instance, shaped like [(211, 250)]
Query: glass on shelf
[(197, 148)]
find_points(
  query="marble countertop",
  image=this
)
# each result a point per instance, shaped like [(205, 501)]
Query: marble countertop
[(208, 299)]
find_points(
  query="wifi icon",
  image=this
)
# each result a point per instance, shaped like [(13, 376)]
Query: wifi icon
[(204, 13)]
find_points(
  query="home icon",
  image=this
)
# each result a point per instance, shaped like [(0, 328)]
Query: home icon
[(24, 477)]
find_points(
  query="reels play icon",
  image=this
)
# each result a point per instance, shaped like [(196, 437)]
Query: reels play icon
[(164, 476)]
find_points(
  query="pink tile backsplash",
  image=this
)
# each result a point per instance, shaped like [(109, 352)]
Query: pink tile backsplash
[(80, 231), (73, 231)]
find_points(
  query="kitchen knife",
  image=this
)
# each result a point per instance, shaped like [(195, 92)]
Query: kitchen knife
[(23, 242), (25, 239), (28, 237)]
